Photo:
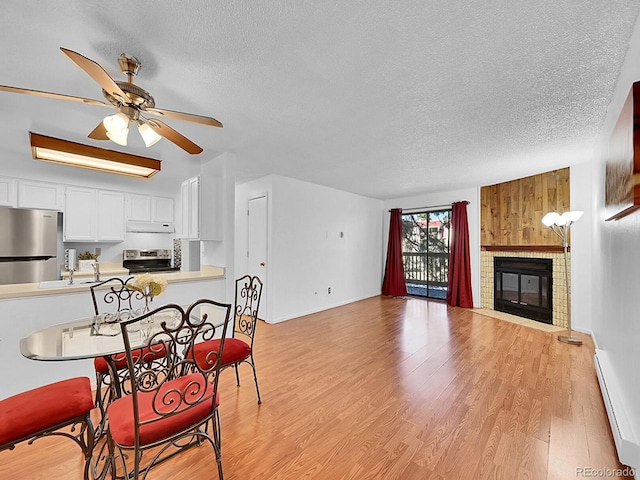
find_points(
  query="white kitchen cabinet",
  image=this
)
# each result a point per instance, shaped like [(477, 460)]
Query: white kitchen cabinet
[(194, 208), (8, 193), (110, 216), (47, 196), (147, 208), (79, 216), (200, 204), (139, 207), (93, 215), (190, 200), (162, 210)]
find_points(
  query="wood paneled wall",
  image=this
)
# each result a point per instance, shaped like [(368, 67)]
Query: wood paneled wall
[(511, 212)]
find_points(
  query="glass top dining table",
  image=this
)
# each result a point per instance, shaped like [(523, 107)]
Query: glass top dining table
[(97, 335)]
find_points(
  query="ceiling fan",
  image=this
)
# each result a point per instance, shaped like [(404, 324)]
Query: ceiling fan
[(132, 102)]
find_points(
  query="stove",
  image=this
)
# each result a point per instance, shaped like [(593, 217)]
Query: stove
[(152, 261)]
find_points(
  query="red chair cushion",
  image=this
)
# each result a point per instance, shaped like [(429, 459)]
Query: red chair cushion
[(30, 412), (100, 364), (235, 350), (121, 420)]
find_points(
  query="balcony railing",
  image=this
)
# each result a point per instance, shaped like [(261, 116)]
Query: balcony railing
[(426, 268)]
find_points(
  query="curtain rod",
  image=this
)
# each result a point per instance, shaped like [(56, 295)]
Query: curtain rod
[(431, 208)]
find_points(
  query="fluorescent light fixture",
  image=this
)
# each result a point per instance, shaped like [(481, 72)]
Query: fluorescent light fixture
[(76, 154), (148, 135)]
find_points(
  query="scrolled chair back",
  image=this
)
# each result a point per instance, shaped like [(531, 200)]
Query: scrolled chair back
[(118, 301), (247, 303), (171, 383)]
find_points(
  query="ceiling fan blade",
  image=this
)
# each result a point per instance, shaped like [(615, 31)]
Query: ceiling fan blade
[(99, 133), (189, 117), (170, 134), (58, 96), (96, 72)]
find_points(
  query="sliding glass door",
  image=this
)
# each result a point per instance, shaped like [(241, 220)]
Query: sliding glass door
[(425, 252)]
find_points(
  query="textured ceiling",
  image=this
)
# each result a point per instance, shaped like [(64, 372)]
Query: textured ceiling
[(385, 99)]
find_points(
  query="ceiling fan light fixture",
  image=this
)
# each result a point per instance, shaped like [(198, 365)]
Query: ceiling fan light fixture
[(148, 135), (117, 127), (119, 137), (116, 123), (86, 156)]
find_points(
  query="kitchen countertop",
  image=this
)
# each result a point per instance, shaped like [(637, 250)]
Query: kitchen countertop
[(206, 272)]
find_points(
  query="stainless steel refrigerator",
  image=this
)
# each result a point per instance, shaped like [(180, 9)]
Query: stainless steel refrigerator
[(28, 245)]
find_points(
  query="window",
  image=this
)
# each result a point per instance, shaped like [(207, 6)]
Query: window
[(425, 252)]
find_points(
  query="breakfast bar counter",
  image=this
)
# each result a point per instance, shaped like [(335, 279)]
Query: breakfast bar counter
[(82, 282), (27, 308)]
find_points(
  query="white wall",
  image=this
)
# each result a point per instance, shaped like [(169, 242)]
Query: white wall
[(581, 247), (616, 267), (472, 195), (306, 253)]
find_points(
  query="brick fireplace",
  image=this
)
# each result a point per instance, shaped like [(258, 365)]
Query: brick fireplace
[(559, 297)]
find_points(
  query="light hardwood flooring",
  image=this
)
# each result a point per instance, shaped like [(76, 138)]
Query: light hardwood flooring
[(390, 388)]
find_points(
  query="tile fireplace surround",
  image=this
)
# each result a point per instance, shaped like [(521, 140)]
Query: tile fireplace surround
[(559, 296)]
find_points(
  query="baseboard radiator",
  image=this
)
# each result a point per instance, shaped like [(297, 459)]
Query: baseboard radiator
[(626, 441)]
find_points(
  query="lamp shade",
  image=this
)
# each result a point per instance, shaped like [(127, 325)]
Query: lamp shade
[(550, 218), (117, 127), (573, 216), (148, 135)]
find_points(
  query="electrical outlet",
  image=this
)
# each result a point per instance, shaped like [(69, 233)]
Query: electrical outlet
[(329, 290)]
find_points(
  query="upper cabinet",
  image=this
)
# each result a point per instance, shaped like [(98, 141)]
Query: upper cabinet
[(110, 213), (93, 215), (8, 192), (200, 204), (162, 209), (147, 208), (138, 207), (47, 196), (20, 193)]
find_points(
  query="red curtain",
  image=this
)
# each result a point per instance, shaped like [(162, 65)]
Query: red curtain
[(459, 285), (393, 283)]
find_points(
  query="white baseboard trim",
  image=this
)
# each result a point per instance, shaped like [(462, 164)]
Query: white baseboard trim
[(624, 437), (323, 308)]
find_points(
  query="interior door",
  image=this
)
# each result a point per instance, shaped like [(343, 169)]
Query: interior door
[(257, 245)]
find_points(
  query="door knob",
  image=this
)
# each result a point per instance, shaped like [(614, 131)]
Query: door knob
[(262, 264)]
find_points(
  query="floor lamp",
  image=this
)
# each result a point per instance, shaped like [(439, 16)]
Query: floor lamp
[(560, 225)]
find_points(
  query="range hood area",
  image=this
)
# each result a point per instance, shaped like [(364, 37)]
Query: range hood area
[(150, 227)]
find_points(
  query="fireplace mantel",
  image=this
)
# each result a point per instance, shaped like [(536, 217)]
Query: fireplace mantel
[(523, 248)]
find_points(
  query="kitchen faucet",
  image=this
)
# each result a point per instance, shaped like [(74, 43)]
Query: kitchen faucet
[(96, 271)]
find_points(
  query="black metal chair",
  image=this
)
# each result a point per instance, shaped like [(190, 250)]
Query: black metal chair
[(239, 348), (170, 407), (118, 302), (46, 411)]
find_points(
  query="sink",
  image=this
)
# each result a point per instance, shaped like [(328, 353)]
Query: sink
[(64, 283), (76, 282)]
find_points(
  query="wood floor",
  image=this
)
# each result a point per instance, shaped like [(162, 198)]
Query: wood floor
[(387, 389)]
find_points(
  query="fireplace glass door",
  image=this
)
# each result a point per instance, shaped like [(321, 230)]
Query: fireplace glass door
[(523, 287)]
